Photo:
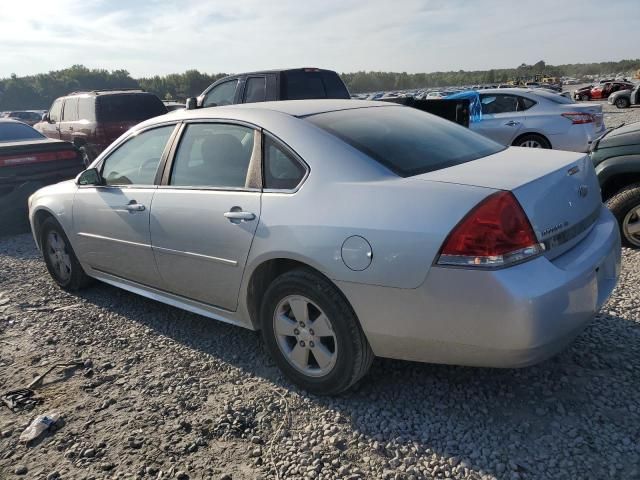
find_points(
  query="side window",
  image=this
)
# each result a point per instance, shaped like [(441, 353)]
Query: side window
[(135, 162), (70, 111), (492, 104), (55, 111), (525, 103), (213, 155), (255, 90), (223, 94), (86, 108), (281, 170)]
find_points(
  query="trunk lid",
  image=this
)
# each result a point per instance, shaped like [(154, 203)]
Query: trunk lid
[(558, 191)]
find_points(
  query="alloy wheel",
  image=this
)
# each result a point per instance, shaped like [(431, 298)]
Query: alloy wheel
[(305, 336), (631, 226), (531, 144), (58, 255)]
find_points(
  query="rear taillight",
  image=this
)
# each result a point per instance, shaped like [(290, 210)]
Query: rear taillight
[(12, 160), (579, 118), (494, 234)]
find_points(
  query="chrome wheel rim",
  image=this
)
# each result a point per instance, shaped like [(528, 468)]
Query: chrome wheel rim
[(531, 144), (631, 226), (58, 256), (305, 336)]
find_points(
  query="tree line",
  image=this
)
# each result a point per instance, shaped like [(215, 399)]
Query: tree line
[(39, 91)]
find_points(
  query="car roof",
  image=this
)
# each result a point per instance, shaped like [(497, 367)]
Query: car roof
[(295, 108), (11, 120), (276, 70)]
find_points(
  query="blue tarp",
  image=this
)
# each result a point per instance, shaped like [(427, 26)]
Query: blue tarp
[(475, 107)]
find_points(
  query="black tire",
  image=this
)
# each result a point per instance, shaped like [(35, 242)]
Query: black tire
[(353, 353), (623, 102), (87, 155), (531, 137), (622, 205), (76, 278)]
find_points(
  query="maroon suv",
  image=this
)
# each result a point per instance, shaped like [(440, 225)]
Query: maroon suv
[(93, 120)]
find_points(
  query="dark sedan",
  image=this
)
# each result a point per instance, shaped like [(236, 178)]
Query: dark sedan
[(29, 161)]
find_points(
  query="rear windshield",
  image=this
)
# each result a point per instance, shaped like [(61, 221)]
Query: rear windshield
[(11, 132), (554, 97), (405, 140), (128, 107), (301, 85)]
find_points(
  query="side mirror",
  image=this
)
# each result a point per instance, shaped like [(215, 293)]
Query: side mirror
[(90, 177), (45, 118), (192, 103)]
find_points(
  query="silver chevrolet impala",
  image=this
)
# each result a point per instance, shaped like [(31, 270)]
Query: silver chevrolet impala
[(342, 230)]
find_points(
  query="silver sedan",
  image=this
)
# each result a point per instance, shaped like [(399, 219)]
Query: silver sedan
[(342, 230), (538, 119)]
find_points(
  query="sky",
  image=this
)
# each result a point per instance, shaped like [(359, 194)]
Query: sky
[(157, 37)]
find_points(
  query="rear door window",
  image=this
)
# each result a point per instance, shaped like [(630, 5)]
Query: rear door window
[(493, 104), (255, 89), (85, 108), (213, 155)]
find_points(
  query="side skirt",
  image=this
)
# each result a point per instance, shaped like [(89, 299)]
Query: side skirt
[(177, 301)]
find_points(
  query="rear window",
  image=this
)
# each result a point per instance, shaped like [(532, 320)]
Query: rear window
[(554, 97), (405, 140), (128, 107), (11, 132), (301, 85)]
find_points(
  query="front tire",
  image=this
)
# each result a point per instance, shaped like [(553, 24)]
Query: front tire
[(623, 103), (61, 261), (312, 333), (532, 140), (625, 206)]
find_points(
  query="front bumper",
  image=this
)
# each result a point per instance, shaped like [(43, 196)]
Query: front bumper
[(511, 317)]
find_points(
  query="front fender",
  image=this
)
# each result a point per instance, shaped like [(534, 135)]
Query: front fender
[(55, 200), (613, 166)]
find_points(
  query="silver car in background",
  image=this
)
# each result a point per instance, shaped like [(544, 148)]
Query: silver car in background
[(343, 230), (536, 118)]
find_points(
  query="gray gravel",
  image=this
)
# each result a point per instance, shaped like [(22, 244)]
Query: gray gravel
[(167, 394)]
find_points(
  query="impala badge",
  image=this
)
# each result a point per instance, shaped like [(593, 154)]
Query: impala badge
[(583, 190), (573, 170)]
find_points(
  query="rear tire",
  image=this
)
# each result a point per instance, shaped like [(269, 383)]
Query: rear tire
[(532, 140), (625, 206), (296, 303), (61, 260), (623, 103)]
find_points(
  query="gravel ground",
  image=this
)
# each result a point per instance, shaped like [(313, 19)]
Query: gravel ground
[(166, 394)]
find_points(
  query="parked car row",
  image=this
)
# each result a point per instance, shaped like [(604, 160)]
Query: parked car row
[(625, 98), (601, 91)]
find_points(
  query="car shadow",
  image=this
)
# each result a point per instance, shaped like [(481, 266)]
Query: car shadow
[(525, 419)]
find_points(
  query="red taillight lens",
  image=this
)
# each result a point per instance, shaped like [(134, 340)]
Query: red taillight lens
[(495, 233), (12, 160), (579, 118)]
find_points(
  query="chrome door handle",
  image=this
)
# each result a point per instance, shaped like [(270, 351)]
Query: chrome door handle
[(135, 207), (239, 216), (511, 123)]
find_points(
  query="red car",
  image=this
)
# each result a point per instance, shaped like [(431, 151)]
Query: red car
[(602, 91)]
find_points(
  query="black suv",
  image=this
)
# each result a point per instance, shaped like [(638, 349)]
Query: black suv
[(267, 85), (92, 120), (616, 156)]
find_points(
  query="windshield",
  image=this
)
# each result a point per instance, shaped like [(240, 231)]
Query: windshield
[(11, 132), (405, 140)]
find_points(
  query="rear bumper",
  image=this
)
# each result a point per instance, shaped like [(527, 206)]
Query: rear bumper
[(512, 317)]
